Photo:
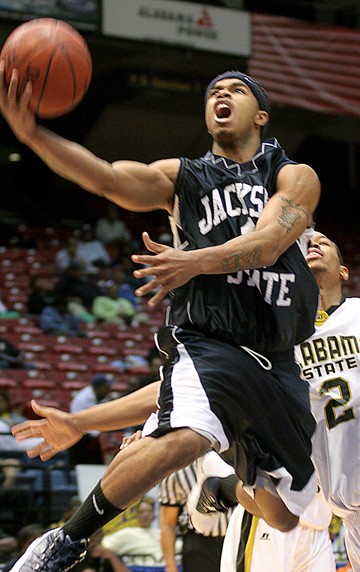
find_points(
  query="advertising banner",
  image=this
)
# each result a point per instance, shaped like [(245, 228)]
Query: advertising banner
[(183, 24)]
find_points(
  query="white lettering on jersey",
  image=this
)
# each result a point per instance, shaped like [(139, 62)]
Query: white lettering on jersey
[(205, 224), (219, 211), (273, 285), (325, 356), (233, 211), (237, 199)]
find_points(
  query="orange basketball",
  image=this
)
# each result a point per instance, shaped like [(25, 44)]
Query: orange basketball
[(55, 58)]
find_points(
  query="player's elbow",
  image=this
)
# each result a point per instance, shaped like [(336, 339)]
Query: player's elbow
[(270, 258), (284, 522), (271, 252)]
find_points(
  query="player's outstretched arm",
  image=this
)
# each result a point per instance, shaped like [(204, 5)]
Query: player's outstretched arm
[(57, 428), (131, 185), (60, 430), (283, 220)]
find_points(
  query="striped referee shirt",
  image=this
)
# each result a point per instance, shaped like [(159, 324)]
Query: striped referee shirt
[(174, 491)]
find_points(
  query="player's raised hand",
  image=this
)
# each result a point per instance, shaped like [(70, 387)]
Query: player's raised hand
[(57, 428), (168, 268), (15, 108)]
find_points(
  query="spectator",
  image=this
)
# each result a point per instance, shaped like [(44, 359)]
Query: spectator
[(9, 469), (11, 357), (68, 511), (3, 308), (55, 319), (24, 538), (99, 558), (128, 267), (77, 286), (125, 290), (92, 394), (39, 296), (92, 251), (5, 313), (154, 363), (6, 414), (88, 450), (16, 501), (9, 443), (67, 255), (138, 545), (111, 309), (111, 230), (8, 546)]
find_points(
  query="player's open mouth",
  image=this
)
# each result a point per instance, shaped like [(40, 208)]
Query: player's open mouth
[(222, 111), (311, 255)]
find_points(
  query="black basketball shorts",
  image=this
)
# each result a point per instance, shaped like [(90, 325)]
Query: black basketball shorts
[(239, 398)]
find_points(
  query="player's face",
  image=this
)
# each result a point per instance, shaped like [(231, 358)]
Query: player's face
[(323, 258), (231, 109)]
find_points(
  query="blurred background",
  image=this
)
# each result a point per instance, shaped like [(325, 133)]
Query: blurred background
[(152, 61)]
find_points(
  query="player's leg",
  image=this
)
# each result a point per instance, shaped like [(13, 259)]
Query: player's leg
[(251, 544), (314, 551), (219, 488), (144, 463), (134, 471), (232, 540), (352, 539)]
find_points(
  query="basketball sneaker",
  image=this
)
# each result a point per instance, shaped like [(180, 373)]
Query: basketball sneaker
[(203, 503), (52, 552)]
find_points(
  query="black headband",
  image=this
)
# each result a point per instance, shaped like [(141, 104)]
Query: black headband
[(255, 88)]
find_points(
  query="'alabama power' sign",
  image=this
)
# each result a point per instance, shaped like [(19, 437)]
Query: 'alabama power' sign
[(185, 24)]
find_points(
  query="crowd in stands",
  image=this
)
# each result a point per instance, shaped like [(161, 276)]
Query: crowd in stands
[(72, 333), (68, 311)]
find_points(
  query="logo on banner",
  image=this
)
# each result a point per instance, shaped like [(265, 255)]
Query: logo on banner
[(205, 19), (187, 25)]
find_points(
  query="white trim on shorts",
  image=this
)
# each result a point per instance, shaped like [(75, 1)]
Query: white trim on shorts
[(191, 404)]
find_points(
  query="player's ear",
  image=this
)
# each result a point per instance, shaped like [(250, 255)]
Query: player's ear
[(344, 273), (262, 117)]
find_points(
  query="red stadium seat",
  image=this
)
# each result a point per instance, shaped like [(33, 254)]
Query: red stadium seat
[(32, 347), (70, 366), (28, 329), (39, 384), (67, 348), (7, 383), (102, 351)]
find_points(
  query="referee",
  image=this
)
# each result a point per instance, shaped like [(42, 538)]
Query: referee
[(199, 552)]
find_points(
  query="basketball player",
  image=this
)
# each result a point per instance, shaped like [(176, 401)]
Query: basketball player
[(330, 361), (251, 544), (240, 282)]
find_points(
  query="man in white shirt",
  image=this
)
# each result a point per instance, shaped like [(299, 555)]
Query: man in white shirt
[(92, 251), (88, 449)]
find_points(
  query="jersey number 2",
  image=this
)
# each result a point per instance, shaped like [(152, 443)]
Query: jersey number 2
[(345, 394)]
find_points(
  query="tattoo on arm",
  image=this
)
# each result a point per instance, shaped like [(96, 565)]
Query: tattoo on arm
[(290, 214), (242, 260)]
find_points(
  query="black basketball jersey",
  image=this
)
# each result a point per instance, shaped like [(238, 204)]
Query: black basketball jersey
[(268, 309)]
